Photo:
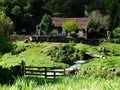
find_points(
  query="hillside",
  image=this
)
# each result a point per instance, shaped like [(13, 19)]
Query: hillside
[(32, 54)]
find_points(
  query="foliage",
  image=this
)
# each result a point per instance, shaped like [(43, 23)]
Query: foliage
[(71, 43), (115, 40), (7, 75), (82, 54), (113, 9), (97, 5), (6, 26), (23, 13), (18, 50), (27, 13), (65, 53), (102, 50), (67, 8), (97, 24), (116, 32), (46, 24), (70, 25)]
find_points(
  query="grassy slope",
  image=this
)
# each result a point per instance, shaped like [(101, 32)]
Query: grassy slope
[(32, 56), (93, 49), (110, 62)]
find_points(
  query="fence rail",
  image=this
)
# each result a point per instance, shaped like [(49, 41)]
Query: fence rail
[(42, 71)]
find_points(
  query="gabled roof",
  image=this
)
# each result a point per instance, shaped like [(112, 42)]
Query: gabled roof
[(82, 22)]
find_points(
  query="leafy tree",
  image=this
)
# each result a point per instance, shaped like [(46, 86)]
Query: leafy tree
[(24, 13), (6, 25), (97, 5), (46, 24), (113, 9), (97, 24), (67, 8), (70, 26)]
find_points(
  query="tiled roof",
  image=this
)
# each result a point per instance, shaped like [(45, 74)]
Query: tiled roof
[(82, 22)]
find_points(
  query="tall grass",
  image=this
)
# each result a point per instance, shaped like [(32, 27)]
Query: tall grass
[(68, 83)]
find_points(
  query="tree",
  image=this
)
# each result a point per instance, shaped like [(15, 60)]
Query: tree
[(46, 24), (113, 9), (24, 13), (97, 5), (6, 25), (70, 26), (67, 8), (97, 24)]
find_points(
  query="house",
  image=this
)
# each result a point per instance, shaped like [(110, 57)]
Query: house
[(82, 25)]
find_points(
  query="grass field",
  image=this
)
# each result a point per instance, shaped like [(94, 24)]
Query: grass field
[(34, 55), (109, 62), (68, 83)]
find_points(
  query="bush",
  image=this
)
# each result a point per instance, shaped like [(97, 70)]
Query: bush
[(103, 50), (82, 54), (97, 25), (6, 25), (99, 73), (72, 43), (18, 50), (8, 75), (73, 35), (116, 32), (64, 53), (115, 40)]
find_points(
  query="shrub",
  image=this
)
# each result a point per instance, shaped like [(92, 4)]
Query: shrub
[(103, 50), (115, 40), (45, 25), (18, 50), (72, 43), (8, 75), (97, 24), (73, 35), (99, 73), (63, 53), (82, 54), (116, 32), (6, 25)]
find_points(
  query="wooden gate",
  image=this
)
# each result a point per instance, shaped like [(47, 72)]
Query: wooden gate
[(42, 71)]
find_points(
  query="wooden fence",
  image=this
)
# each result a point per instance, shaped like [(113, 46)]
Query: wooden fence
[(42, 71)]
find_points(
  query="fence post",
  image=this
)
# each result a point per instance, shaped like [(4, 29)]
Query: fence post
[(54, 75), (23, 68), (64, 72), (45, 72)]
